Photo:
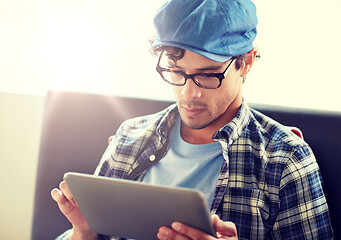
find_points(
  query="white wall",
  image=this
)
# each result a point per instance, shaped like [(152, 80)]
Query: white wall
[(20, 128), (300, 43)]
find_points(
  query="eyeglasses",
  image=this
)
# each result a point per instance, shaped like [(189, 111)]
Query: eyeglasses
[(203, 80)]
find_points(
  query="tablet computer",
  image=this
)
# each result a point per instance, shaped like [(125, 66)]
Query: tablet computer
[(129, 209)]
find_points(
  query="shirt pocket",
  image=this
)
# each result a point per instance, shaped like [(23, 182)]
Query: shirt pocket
[(249, 210)]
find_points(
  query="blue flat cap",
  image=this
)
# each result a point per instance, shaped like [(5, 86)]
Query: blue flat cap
[(216, 29)]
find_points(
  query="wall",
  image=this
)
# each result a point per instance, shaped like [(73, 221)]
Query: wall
[(20, 129)]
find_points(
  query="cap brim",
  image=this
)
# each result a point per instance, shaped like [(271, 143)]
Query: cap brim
[(211, 56)]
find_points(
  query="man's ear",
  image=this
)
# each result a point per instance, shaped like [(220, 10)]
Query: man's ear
[(248, 62)]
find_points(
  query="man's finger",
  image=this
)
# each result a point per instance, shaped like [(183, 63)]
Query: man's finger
[(57, 195), (66, 191), (166, 233), (65, 206), (226, 229), (190, 232)]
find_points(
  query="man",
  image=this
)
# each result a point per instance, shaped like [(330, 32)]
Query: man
[(260, 179)]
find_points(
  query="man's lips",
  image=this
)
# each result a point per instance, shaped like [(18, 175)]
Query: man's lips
[(192, 111)]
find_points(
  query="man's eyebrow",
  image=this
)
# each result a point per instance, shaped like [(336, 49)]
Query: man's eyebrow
[(213, 67), (206, 68)]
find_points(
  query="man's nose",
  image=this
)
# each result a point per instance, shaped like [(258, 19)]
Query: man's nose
[(190, 90)]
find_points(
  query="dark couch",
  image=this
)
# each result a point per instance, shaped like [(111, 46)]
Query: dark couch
[(76, 128)]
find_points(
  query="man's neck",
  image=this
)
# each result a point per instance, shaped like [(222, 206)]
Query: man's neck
[(193, 136)]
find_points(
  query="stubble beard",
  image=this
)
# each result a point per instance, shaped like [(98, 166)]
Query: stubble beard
[(198, 126), (193, 123)]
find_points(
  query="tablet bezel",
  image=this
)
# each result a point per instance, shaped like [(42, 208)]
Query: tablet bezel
[(130, 209)]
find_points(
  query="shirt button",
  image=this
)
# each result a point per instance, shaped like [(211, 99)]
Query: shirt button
[(152, 158)]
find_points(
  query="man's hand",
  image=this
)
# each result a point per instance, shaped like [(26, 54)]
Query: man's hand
[(179, 231), (69, 208)]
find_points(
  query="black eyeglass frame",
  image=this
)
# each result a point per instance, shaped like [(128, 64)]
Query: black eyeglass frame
[(220, 76)]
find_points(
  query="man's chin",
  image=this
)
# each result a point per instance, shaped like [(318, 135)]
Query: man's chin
[(195, 125)]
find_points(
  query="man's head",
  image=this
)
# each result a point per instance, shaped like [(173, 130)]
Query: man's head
[(206, 40)]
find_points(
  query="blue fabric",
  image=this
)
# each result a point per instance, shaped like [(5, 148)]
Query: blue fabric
[(188, 165), (216, 29)]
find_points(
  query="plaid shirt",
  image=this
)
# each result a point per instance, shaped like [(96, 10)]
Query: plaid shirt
[(269, 185)]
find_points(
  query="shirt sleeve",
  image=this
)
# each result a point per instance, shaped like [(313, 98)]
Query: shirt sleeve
[(67, 235), (104, 166), (303, 211)]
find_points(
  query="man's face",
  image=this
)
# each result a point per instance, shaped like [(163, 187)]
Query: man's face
[(199, 107)]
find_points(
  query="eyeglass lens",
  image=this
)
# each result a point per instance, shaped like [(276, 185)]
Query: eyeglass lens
[(176, 78)]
